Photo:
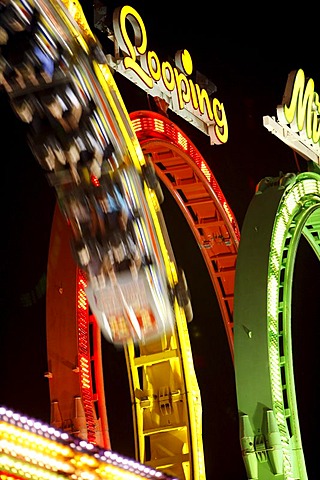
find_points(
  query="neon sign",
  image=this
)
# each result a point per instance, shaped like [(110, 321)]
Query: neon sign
[(303, 110), (171, 83), (298, 122)]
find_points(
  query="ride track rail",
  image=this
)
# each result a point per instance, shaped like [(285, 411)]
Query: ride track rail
[(165, 397), (271, 444), (288, 211), (189, 179), (166, 402), (282, 211)]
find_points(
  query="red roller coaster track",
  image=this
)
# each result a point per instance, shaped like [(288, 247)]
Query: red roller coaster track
[(185, 173), (73, 340)]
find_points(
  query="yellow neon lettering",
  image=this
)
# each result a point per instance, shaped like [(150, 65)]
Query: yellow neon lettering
[(153, 65), (315, 121), (183, 89), (149, 69), (183, 61), (168, 76), (221, 127), (139, 30), (194, 98), (140, 38), (204, 100), (299, 111)]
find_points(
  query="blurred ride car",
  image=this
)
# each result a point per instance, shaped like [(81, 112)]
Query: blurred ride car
[(80, 133)]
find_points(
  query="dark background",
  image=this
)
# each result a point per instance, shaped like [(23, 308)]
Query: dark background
[(248, 55)]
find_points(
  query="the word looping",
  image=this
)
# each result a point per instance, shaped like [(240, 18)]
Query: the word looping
[(172, 80)]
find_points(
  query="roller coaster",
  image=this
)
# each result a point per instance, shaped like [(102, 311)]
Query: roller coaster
[(165, 397)]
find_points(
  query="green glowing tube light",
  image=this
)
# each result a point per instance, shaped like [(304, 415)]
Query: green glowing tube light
[(282, 210)]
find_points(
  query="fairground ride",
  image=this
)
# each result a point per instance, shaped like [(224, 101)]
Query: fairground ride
[(165, 397)]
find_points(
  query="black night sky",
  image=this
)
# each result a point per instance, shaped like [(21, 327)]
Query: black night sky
[(248, 56)]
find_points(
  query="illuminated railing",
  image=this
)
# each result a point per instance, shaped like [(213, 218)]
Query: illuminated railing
[(282, 211), (84, 356), (31, 449), (145, 122), (184, 171)]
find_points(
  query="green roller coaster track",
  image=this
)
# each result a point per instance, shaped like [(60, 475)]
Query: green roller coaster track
[(282, 211)]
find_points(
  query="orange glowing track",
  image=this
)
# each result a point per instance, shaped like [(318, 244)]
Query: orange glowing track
[(185, 173)]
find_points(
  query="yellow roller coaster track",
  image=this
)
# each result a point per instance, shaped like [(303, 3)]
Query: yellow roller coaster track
[(165, 396)]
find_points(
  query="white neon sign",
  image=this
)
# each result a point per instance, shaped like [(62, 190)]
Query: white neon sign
[(170, 82), (298, 117)]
